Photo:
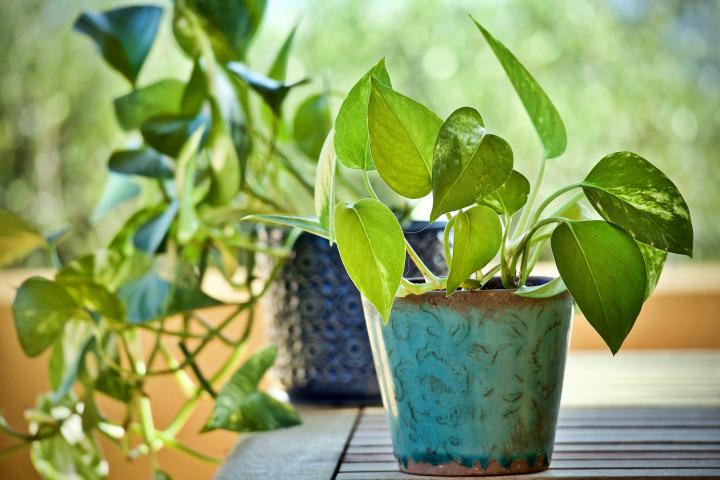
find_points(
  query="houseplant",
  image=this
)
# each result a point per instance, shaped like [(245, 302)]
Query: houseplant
[(471, 364), (209, 151)]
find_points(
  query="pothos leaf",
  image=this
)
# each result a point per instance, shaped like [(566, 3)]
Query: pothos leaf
[(654, 262), (40, 309), (123, 35), (632, 193), (304, 224), (509, 198), (604, 271), (402, 135), (278, 69), (325, 186), (311, 124), (351, 126), (372, 248), (242, 407), (476, 240), (17, 238), (543, 114), (554, 287), (271, 91), (468, 163), (163, 97)]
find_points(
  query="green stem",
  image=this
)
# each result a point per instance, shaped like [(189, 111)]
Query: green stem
[(446, 239), (426, 272), (549, 199), (519, 251), (196, 370), (421, 288), (186, 410), (523, 222), (368, 185), (12, 450), (172, 443)]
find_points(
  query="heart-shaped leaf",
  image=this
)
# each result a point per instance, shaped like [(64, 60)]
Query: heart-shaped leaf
[(509, 198), (312, 123), (325, 186), (167, 134), (351, 124), (654, 262), (151, 296), (271, 91), (468, 163), (231, 25), (242, 407), (632, 193), (118, 189), (304, 224), (476, 240), (372, 248), (151, 234), (40, 309), (17, 238), (604, 271), (543, 114), (554, 287), (195, 92), (160, 98), (402, 135), (278, 69), (123, 35), (145, 162)]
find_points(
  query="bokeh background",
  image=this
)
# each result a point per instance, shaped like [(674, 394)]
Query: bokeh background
[(639, 75)]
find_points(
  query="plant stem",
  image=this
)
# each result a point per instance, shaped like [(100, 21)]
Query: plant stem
[(183, 379), (519, 251), (12, 450), (420, 288), (186, 410), (171, 442), (446, 239), (523, 222), (426, 272), (576, 197), (368, 185), (549, 199)]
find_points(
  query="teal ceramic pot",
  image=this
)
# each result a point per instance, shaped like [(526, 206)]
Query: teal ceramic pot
[(471, 383)]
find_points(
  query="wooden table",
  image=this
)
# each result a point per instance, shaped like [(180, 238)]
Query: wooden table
[(640, 415)]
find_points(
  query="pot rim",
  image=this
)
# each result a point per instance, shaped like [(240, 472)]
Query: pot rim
[(532, 281)]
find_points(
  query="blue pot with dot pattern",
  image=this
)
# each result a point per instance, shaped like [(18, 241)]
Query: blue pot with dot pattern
[(318, 324)]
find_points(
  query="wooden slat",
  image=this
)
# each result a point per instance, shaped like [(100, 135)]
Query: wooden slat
[(591, 443), (310, 451), (564, 465), (594, 474), (353, 456)]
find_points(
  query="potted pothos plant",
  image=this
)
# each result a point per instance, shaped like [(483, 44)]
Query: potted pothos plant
[(471, 364), (213, 146)]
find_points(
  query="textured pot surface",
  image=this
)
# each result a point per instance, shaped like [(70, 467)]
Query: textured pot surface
[(318, 323), (471, 383)]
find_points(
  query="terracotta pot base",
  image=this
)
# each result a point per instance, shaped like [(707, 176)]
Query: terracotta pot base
[(493, 469)]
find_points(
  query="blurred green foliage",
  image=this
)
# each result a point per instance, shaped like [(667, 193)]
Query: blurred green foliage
[(625, 75)]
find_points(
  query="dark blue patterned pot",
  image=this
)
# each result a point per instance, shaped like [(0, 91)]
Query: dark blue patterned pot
[(318, 323)]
